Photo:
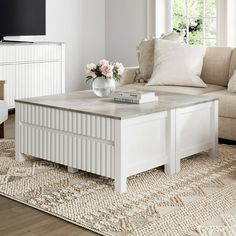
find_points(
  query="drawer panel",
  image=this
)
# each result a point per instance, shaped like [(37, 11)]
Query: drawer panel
[(67, 149), (193, 129), (26, 53), (68, 121)]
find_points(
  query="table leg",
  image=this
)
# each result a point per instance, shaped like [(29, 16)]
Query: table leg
[(213, 152), (72, 170), (173, 164), (18, 155), (121, 184), (120, 158)]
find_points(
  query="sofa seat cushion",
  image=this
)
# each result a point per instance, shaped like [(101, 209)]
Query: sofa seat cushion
[(3, 111), (227, 103), (176, 89)]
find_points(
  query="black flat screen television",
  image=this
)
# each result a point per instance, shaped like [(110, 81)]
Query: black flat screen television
[(22, 17)]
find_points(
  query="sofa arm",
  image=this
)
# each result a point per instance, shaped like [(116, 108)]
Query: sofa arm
[(129, 75)]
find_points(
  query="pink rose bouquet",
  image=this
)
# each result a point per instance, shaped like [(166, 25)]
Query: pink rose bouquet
[(104, 69)]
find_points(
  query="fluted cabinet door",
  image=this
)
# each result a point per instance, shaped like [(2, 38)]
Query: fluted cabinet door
[(32, 70)]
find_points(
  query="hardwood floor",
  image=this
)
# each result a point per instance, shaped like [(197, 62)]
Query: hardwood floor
[(17, 219), (9, 131), (20, 220)]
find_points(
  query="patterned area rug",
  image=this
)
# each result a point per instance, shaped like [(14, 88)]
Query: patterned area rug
[(200, 200)]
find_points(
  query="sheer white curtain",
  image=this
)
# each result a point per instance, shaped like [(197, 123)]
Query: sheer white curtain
[(163, 17), (159, 17), (222, 22), (231, 23)]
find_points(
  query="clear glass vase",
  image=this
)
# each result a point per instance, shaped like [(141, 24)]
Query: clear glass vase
[(103, 87)]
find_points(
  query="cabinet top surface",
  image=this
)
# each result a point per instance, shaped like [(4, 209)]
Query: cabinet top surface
[(88, 103), (10, 44)]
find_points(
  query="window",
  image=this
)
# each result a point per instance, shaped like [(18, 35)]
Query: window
[(197, 18)]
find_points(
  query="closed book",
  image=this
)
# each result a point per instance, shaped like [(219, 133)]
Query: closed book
[(135, 100), (135, 94)]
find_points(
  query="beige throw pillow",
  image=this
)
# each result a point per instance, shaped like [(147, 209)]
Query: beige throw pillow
[(145, 52), (177, 64), (232, 83), (145, 59)]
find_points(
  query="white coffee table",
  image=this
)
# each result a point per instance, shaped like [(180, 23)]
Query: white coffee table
[(116, 140)]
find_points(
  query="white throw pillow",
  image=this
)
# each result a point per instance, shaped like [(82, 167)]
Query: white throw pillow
[(145, 53), (177, 64), (232, 83)]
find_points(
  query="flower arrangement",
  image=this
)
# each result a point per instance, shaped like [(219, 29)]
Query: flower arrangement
[(104, 69)]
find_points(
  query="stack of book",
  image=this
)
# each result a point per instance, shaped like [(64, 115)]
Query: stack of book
[(135, 96)]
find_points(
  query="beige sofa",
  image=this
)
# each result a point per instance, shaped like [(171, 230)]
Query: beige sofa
[(219, 65)]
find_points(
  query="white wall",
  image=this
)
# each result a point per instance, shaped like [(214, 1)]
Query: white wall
[(126, 26), (81, 25), (92, 30)]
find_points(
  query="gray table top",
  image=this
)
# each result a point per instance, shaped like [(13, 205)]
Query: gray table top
[(88, 103)]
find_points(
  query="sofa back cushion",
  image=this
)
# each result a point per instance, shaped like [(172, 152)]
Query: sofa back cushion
[(232, 63), (216, 65)]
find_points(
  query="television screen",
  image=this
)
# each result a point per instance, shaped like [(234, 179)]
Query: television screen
[(22, 17)]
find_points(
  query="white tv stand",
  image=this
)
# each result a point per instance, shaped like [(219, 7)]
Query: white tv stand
[(32, 69)]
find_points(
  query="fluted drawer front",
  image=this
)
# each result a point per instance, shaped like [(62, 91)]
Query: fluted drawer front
[(23, 53), (74, 122), (77, 140), (67, 149)]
